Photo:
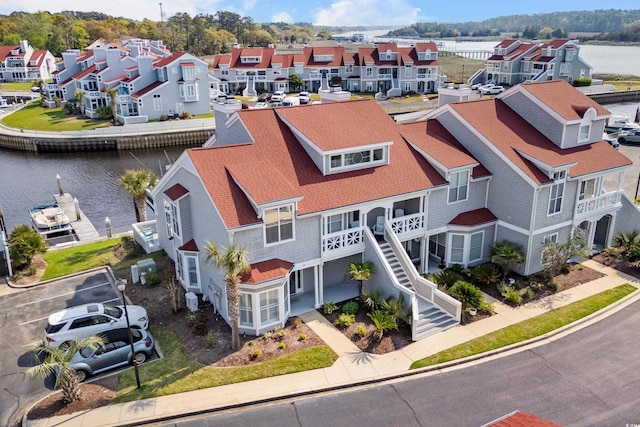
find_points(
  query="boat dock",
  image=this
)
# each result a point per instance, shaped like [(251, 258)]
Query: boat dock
[(82, 227)]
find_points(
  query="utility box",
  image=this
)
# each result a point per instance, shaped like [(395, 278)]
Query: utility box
[(135, 274), (192, 301), (147, 266)]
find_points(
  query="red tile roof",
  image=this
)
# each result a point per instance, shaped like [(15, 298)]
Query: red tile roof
[(190, 246), (522, 419), (267, 270), (175, 192), (474, 217), (407, 172)]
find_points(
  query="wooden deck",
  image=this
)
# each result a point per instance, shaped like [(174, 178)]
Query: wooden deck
[(82, 227)]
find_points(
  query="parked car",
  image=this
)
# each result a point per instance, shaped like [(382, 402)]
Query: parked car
[(290, 101), (259, 105), (116, 352), (612, 141), (632, 136), (491, 90), (278, 96), (477, 86), (90, 319), (304, 97), (35, 88), (265, 97)]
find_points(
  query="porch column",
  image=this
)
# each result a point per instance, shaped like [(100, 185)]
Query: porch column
[(318, 285)]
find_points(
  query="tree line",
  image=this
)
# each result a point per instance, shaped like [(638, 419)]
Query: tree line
[(203, 34)]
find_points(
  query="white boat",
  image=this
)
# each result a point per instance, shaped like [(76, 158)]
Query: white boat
[(619, 124), (49, 217)]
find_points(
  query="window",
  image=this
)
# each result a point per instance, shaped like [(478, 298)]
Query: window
[(192, 271), (269, 307), (224, 72), (437, 245), (167, 219), (157, 102), (458, 185), (588, 189), (475, 248), (179, 266), (407, 70), (555, 198), (356, 158), (174, 219), (334, 223), (278, 224), (246, 310), (457, 248), (189, 73), (349, 68), (369, 71), (584, 132)]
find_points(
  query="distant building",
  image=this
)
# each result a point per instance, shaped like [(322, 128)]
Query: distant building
[(23, 63), (149, 80), (386, 68), (514, 62)]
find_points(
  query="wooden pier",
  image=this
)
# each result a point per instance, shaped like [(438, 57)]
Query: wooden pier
[(82, 227)]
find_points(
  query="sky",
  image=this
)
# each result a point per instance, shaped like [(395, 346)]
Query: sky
[(319, 12)]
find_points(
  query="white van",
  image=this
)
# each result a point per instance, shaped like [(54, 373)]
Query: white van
[(290, 101)]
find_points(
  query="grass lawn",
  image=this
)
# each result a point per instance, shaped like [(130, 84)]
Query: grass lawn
[(530, 328), (178, 373), (17, 86), (83, 257), (35, 117)]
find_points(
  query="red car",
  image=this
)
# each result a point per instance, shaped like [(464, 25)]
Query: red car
[(264, 97)]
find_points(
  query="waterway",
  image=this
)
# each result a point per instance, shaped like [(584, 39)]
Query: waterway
[(27, 179)]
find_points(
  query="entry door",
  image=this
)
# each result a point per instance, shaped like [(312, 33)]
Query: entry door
[(295, 282)]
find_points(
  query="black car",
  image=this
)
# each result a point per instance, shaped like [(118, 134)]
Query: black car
[(264, 97)]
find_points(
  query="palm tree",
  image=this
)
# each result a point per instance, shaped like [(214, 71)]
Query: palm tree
[(111, 93), (626, 240), (361, 271), (383, 321), (506, 254), (136, 182), (78, 96), (57, 359), (234, 262)]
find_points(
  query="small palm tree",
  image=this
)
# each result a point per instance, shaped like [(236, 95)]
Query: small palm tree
[(506, 254), (25, 243), (111, 93), (234, 262), (59, 360), (383, 321), (136, 182), (361, 271), (78, 96), (626, 240)]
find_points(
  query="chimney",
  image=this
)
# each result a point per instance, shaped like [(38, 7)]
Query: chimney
[(225, 109)]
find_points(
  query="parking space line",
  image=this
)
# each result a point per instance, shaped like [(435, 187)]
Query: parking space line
[(44, 318), (66, 293)]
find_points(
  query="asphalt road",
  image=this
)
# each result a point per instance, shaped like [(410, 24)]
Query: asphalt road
[(23, 317), (588, 378)]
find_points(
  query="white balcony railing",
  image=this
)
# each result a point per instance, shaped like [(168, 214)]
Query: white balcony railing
[(407, 223), (345, 240), (384, 76), (93, 94), (594, 204), (123, 98)]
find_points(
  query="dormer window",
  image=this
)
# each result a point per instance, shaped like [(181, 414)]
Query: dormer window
[(584, 133), (351, 160)]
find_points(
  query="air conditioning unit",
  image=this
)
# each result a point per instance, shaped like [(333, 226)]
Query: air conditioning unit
[(135, 274), (192, 301)]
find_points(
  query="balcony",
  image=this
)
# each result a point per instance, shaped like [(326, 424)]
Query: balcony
[(408, 226), (384, 76), (94, 94), (189, 98), (50, 87), (120, 99), (343, 243), (597, 204)]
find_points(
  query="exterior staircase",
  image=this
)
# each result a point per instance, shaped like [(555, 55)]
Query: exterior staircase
[(431, 318)]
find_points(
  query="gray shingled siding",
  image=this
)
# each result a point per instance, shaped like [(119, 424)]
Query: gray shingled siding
[(510, 197), (535, 258), (542, 219), (488, 241), (441, 213), (627, 218), (536, 116), (335, 272)]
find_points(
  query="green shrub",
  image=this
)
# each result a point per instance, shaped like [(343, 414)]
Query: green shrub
[(345, 320), (266, 335), (487, 273), (329, 307), (279, 333), (152, 278), (505, 288), (529, 293), (297, 322), (24, 244), (350, 307), (486, 307), (282, 346), (256, 353), (372, 300), (581, 81), (209, 339), (251, 343), (446, 278), (164, 117), (513, 297), (104, 112), (394, 307), (302, 337), (361, 331), (634, 252), (557, 286), (469, 295)]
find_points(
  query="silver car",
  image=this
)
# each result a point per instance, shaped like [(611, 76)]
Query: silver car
[(630, 136), (115, 353)]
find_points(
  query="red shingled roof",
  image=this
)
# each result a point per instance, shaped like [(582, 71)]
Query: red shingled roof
[(85, 72), (147, 89), (474, 217), (408, 171), (522, 419), (163, 62), (6, 51), (190, 246), (267, 270), (175, 192), (562, 98)]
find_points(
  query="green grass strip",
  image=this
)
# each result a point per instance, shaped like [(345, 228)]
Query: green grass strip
[(529, 328), (83, 257), (178, 373), (35, 117)]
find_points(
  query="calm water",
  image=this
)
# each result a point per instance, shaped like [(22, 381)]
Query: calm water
[(29, 179)]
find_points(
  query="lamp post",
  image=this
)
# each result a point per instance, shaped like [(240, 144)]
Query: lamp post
[(121, 284), (462, 74)]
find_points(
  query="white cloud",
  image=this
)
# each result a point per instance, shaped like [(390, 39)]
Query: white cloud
[(281, 17), (368, 12)]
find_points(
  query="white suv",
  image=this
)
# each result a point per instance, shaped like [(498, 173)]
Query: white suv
[(278, 96), (90, 319), (305, 97)]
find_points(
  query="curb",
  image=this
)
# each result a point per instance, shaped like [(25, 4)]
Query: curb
[(46, 282), (533, 342)]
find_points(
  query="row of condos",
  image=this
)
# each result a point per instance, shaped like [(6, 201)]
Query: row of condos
[(386, 68), (146, 80), (307, 190), (514, 61), (23, 63)]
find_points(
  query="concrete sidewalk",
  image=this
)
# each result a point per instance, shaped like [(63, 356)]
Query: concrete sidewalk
[(353, 366)]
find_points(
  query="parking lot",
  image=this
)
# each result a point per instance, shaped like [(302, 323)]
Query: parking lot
[(23, 317)]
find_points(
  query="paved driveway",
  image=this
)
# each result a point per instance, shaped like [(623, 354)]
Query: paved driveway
[(23, 316)]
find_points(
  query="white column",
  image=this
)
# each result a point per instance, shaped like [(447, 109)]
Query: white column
[(318, 285)]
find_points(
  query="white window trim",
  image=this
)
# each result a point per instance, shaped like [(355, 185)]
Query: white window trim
[(468, 184), (278, 304), (551, 199), (194, 256), (553, 237), (466, 247), (293, 226), (248, 309)]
